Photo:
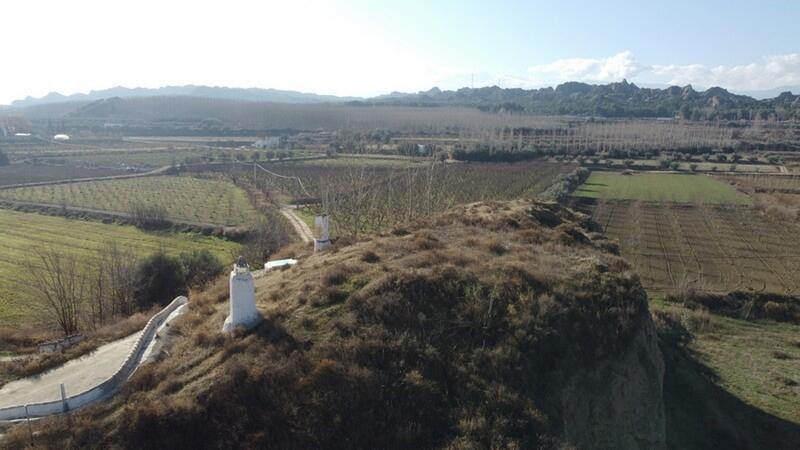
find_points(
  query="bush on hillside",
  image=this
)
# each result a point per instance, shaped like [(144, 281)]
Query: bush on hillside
[(159, 278), (200, 267), (744, 305), (4, 158), (149, 217), (564, 185)]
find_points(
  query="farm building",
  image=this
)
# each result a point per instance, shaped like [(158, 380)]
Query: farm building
[(269, 142)]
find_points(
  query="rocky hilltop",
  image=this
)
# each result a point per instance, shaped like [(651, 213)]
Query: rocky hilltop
[(620, 99), (508, 324)]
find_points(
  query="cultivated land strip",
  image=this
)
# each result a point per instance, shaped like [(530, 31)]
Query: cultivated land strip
[(22, 233), (728, 248), (154, 172), (188, 200)]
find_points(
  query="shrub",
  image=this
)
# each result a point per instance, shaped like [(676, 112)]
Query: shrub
[(497, 247), (745, 305), (4, 158), (563, 185), (149, 217), (370, 257), (159, 278), (200, 267), (334, 277), (777, 354)]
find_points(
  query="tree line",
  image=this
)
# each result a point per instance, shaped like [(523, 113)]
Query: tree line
[(78, 294)]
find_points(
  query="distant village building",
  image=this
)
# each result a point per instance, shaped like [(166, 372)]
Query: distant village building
[(269, 142), (61, 137), (243, 310)]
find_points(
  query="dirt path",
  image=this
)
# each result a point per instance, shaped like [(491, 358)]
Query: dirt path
[(300, 227)]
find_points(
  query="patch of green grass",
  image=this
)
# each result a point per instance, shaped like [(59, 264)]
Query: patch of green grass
[(22, 233), (660, 187), (185, 198), (756, 361), (307, 215)]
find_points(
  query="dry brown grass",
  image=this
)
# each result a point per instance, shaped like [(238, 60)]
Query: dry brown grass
[(353, 345), (36, 363)]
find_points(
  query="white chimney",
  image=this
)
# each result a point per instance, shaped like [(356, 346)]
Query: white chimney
[(322, 241), (242, 298)]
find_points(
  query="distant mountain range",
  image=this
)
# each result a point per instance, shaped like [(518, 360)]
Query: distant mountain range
[(245, 94), (620, 99)]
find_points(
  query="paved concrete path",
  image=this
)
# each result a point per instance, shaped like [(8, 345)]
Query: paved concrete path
[(78, 375)]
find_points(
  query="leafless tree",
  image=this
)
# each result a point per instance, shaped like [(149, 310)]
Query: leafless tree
[(57, 280), (117, 267)]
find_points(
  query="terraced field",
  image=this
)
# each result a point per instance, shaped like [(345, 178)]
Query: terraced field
[(187, 199), (661, 187), (766, 183), (715, 248), (29, 173), (22, 233)]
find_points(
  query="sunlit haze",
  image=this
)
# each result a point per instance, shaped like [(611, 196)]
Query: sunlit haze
[(360, 48)]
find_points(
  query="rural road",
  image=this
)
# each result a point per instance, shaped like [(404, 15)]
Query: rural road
[(299, 226), (78, 375)]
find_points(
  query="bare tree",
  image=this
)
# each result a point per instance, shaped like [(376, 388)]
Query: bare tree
[(118, 269), (56, 279)]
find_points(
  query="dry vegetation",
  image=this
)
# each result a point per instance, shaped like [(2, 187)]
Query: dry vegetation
[(775, 195), (453, 331), (715, 249), (362, 198)]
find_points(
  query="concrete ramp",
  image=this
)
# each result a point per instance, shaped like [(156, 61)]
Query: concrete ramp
[(87, 379)]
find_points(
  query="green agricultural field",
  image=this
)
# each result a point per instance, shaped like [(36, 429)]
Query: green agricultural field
[(142, 158), (756, 361), (185, 198), (22, 233), (660, 187)]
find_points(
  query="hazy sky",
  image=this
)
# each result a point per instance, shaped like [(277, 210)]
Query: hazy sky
[(363, 48)]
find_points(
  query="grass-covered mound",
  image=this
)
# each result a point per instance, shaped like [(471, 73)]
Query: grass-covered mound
[(458, 331), (744, 305)]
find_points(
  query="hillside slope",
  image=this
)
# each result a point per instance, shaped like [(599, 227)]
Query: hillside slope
[(492, 325)]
